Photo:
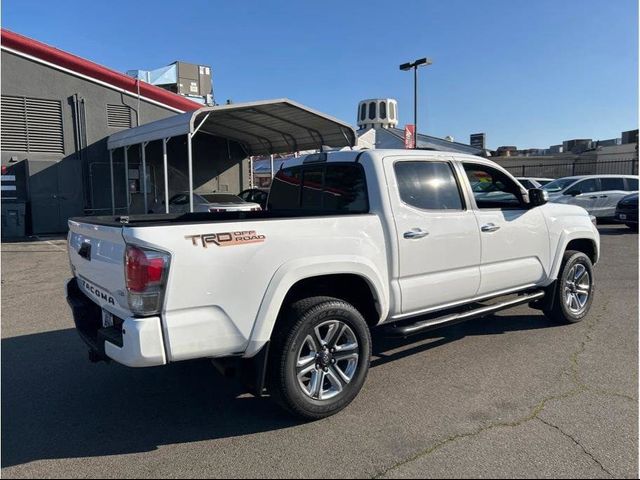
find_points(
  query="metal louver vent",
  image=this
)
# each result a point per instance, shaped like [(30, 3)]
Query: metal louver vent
[(119, 116), (32, 125)]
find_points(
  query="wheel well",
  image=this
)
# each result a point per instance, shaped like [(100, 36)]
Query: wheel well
[(585, 246), (349, 287)]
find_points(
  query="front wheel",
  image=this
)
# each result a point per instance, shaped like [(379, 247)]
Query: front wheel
[(319, 357), (575, 288)]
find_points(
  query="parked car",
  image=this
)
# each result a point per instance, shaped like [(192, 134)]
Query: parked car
[(207, 202), (627, 211), (534, 182), (255, 195), (597, 194), (350, 240)]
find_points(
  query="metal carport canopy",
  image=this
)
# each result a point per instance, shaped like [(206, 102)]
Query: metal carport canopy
[(265, 127)]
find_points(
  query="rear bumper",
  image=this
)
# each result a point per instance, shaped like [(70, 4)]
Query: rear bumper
[(136, 342)]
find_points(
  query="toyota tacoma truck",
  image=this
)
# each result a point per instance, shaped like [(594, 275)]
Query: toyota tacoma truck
[(404, 240)]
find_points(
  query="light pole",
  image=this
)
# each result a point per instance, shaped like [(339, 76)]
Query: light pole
[(408, 66)]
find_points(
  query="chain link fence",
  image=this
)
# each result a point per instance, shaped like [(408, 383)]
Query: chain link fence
[(558, 170)]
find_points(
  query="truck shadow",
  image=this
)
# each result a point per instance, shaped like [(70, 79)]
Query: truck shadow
[(55, 404)]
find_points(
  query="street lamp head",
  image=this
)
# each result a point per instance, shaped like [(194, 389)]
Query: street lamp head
[(416, 64)]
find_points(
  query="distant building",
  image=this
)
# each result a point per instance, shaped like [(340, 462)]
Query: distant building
[(577, 145), (555, 149), (630, 136), (507, 151), (478, 140)]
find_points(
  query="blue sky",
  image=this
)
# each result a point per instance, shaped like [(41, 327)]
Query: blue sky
[(528, 73)]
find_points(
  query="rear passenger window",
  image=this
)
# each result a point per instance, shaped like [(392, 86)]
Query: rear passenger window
[(428, 185), (608, 183), (632, 184), (331, 188)]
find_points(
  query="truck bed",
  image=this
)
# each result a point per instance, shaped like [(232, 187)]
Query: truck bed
[(164, 219)]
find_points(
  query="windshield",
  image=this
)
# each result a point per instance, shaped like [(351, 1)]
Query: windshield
[(558, 185), (222, 198)]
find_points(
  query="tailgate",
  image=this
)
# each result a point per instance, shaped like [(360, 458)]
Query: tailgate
[(96, 254)]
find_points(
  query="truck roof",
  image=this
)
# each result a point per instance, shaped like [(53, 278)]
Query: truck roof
[(358, 155)]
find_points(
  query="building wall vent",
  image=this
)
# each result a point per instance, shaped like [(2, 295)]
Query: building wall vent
[(119, 116), (32, 125)]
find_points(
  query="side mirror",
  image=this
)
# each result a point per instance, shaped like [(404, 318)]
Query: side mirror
[(573, 193), (538, 196)]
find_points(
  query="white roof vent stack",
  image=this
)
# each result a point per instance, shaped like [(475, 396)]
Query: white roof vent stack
[(377, 113)]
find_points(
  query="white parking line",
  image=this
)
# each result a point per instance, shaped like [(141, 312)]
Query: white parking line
[(51, 243)]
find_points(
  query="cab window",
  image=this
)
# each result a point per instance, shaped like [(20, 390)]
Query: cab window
[(492, 188), (428, 185)]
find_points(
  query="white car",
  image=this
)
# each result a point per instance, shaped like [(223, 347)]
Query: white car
[(207, 202), (534, 182), (597, 194), (350, 241)]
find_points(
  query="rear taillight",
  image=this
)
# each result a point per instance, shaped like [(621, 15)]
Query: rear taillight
[(146, 273)]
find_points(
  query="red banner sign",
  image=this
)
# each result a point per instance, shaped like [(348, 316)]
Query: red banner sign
[(409, 136)]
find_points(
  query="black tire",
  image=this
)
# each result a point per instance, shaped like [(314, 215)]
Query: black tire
[(299, 321), (562, 312)]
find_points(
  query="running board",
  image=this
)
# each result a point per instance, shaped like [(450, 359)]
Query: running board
[(433, 323)]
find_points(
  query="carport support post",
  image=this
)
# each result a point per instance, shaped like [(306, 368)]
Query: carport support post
[(271, 166), (113, 188), (143, 149), (126, 175), (190, 160), (166, 175)]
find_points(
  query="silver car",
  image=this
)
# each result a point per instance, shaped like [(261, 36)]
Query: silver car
[(597, 194)]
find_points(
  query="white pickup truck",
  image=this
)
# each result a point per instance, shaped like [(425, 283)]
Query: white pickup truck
[(408, 239)]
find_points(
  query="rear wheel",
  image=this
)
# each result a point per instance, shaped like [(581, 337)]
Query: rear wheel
[(574, 289), (319, 357)]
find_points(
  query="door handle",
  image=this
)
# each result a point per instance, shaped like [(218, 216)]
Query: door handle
[(490, 227), (415, 233), (604, 196), (593, 196)]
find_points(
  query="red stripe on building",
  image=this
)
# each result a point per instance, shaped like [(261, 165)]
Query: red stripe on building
[(53, 55)]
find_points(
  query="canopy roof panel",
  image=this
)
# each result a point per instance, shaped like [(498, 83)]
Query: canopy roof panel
[(266, 127)]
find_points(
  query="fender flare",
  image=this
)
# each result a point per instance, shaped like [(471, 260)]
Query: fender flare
[(292, 272), (565, 238)]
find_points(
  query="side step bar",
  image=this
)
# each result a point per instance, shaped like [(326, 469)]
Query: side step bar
[(406, 330)]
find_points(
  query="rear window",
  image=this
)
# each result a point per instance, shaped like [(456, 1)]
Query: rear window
[(632, 184), (332, 188), (608, 183)]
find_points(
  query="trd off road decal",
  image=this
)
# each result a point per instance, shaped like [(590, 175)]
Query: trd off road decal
[(226, 239)]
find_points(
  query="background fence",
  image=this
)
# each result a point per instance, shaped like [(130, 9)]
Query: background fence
[(558, 170)]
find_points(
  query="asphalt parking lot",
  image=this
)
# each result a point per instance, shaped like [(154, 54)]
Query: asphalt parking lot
[(510, 395)]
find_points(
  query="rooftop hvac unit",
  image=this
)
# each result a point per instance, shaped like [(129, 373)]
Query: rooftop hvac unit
[(180, 77)]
